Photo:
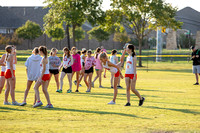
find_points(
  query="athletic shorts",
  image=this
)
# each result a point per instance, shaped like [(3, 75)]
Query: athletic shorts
[(83, 64), (8, 74), (89, 71), (68, 70), (2, 73), (117, 74), (196, 69), (46, 77), (54, 71), (131, 76), (97, 69)]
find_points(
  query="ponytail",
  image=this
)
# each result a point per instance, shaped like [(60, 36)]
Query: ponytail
[(130, 46), (97, 51), (8, 50), (43, 49)]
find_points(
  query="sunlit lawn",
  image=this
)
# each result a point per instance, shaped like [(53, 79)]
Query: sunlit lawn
[(172, 105)]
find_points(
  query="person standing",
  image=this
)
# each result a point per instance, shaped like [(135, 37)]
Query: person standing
[(196, 63)]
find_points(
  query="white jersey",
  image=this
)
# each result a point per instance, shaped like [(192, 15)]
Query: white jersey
[(130, 65), (67, 61), (3, 68), (47, 66), (113, 70), (113, 59), (8, 65), (82, 60)]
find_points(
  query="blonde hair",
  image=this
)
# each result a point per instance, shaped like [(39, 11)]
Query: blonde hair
[(103, 55), (52, 50)]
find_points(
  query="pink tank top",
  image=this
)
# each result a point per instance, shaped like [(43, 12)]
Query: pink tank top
[(98, 63)]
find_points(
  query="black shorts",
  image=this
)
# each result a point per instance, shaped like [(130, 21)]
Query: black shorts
[(83, 64), (54, 71), (89, 71), (68, 70)]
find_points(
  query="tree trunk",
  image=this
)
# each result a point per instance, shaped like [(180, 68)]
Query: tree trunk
[(140, 52), (31, 43), (68, 37), (73, 30)]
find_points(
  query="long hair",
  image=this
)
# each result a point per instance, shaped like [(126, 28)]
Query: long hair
[(8, 50), (36, 50), (44, 50), (97, 51), (68, 54), (52, 50), (130, 46), (103, 55)]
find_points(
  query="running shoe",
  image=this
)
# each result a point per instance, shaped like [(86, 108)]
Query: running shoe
[(196, 84), (88, 90), (75, 82), (119, 86), (49, 106), (141, 101), (58, 91), (69, 91), (127, 104), (15, 103), (101, 86), (38, 104), (77, 91), (6, 103), (92, 84), (23, 104), (111, 86), (111, 102)]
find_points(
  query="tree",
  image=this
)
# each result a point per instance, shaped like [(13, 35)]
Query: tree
[(10, 39), (79, 34), (29, 31), (99, 34), (122, 37), (4, 40), (74, 13), (141, 17)]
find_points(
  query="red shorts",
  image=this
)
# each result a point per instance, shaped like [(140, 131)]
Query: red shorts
[(2, 73), (8, 74), (117, 74), (131, 76), (46, 77)]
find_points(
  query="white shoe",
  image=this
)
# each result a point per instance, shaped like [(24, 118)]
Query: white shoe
[(38, 104), (15, 103), (125, 45), (6, 103), (111, 102), (49, 106), (23, 104)]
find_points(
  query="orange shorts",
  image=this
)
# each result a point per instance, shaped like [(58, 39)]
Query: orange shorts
[(8, 74), (2, 73), (46, 77), (117, 74), (131, 76)]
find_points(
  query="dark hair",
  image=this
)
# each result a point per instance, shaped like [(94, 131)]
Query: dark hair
[(97, 51), (84, 51), (36, 50), (130, 46), (8, 50), (73, 48), (44, 50), (89, 51), (114, 51), (66, 49), (79, 52), (52, 50)]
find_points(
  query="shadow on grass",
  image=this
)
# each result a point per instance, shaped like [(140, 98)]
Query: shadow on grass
[(95, 112), (7, 109), (188, 111), (160, 91), (172, 70)]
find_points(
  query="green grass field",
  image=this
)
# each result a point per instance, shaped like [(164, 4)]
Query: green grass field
[(172, 105)]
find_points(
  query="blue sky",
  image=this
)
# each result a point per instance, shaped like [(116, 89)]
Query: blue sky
[(106, 4)]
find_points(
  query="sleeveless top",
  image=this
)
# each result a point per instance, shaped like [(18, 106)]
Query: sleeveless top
[(113, 70), (130, 65), (47, 66), (113, 59), (82, 60), (66, 61), (8, 65)]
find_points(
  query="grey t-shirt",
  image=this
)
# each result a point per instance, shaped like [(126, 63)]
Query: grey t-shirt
[(54, 60)]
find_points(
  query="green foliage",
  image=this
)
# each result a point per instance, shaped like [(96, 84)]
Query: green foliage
[(10, 39), (79, 33), (122, 37), (29, 31), (186, 41), (4, 40), (99, 34)]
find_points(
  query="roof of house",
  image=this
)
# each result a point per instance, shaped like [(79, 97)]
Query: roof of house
[(14, 17), (190, 19)]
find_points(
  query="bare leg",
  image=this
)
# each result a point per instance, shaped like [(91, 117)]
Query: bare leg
[(77, 79), (62, 75), (7, 91), (111, 79), (12, 88), (90, 81), (115, 88), (28, 86), (197, 77), (57, 80), (44, 89), (36, 88), (133, 84), (2, 82), (69, 75), (128, 88), (85, 80), (97, 72), (100, 74)]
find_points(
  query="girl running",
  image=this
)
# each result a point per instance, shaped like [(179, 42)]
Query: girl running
[(114, 69), (131, 75), (89, 64), (67, 69), (33, 72), (11, 60), (76, 67), (43, 79), (54, 63), (3, 69), (98, 68)]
